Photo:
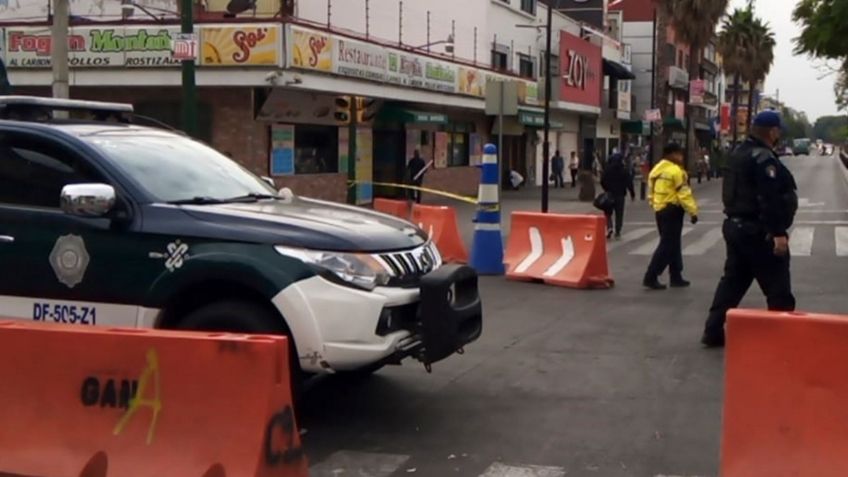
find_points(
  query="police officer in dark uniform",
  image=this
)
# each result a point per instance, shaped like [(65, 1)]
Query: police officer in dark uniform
[(760, 201)]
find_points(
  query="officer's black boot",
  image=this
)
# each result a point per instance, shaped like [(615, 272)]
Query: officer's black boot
[(652, 282), (679, 282)]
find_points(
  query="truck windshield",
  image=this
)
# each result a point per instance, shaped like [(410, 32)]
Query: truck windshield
[(173, 168)]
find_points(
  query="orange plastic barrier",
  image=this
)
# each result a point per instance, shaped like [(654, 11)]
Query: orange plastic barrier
[(562, 250), (785, 395), (398, 208), (85, 402), (440, 223)]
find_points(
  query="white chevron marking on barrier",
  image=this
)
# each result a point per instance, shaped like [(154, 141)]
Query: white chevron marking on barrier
[(536, 249), (564, 260), (430, 232)]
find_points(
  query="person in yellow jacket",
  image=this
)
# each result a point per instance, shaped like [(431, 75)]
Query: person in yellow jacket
[(671, 198)]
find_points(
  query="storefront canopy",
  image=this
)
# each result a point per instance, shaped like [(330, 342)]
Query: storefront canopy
[(674, 123), (535, 119), (618, 71), (410, 116), (640, 128)]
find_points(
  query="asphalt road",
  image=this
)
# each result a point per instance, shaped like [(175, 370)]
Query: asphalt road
[(578, 383)]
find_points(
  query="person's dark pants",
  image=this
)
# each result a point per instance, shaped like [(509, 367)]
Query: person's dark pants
[(558, 179), (415, 195), (750, 256), (573, 177), (668, 253), (618, 210)]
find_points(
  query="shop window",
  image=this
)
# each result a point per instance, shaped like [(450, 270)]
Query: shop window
[(525, 66), (528, 6), (316, 149), (458, 149), (500, 61), (170, 113)]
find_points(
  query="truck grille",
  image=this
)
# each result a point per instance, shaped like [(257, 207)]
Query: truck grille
[(407, 266)]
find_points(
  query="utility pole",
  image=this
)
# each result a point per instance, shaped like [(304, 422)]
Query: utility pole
[(546, 147), (59, 50), (189, 112)]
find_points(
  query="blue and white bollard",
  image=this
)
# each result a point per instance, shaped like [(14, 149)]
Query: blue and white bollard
[(487, 251)]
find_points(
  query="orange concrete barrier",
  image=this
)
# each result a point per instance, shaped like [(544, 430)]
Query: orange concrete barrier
[(398, 208), (440, 224), (86, 402), (562, 250), (785, 395)]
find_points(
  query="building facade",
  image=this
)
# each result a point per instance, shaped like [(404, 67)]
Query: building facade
[(332, 95)]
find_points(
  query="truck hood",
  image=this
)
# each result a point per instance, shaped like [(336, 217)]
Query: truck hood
[(314, 224)]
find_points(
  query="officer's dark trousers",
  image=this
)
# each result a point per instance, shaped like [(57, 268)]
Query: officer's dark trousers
[(668, 252), (750, 256)]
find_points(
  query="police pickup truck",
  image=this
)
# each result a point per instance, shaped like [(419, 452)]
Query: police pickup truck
[(105, 222)]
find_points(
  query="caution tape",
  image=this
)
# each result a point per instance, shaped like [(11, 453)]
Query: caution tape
[(462, 198)]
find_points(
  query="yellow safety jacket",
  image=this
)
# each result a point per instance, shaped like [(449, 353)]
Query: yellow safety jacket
[(668, 184)]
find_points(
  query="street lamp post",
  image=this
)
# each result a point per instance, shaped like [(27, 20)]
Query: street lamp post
[(189, 106), (546, 147)]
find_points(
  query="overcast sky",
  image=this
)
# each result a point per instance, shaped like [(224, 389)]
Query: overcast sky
[(795, 76)]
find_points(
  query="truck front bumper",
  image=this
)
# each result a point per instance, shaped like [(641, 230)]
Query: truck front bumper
[(337, 328)]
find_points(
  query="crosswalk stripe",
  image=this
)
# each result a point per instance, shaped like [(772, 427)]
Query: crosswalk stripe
[(502, 470), (801, 241), (648, 248), (841, 241), (358, 464), (704, 243), (630, 237)]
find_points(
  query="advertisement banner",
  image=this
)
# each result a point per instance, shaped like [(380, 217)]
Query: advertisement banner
[(364, 165), (244, 45), (725, 118), (653, 115), (282, 150), (344, 149), (696, 92), (679, 109), (311, 50), (441, 159), (90, 47), (471, 82), (581, 70)]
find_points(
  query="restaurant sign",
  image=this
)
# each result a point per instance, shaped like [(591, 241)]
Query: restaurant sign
[(144, 46), (335, 54)]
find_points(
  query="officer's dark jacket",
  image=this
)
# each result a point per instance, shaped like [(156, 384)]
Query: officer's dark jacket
[(758, 187)]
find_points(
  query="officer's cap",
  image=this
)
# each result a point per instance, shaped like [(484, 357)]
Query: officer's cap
[(768, 119)]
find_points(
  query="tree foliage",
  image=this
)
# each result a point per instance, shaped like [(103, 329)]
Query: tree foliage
[(831, 129), (824, 31), (796, 124)]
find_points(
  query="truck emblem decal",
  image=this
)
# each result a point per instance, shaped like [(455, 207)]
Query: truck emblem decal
[(175, 255), (69, 259)]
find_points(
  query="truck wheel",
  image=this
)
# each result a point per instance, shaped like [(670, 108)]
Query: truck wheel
[(246, 317)]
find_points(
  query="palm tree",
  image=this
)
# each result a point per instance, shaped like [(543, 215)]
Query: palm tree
[(762, 55), (734, 45), (694, 23)]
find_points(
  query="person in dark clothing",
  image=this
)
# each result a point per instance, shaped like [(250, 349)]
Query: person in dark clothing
[(415, 170), (617, 181), (558, 166), (760, 202)]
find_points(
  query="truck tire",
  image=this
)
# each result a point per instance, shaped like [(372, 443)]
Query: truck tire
[(361, 373), (238, 316)]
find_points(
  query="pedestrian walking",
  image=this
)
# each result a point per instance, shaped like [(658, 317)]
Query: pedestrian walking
[(558, 166), (760, 202), (670, 197), (617, 181), (573, 167), (415, 170)]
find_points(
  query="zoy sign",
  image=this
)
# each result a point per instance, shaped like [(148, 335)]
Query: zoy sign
[(577, 70), (580, 69)]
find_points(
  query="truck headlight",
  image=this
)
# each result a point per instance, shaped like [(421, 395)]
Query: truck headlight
[(358, 269)]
